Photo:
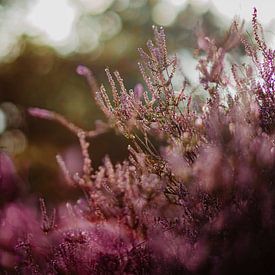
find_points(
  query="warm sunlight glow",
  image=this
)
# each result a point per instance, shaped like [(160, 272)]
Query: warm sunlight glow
[(53, 17)]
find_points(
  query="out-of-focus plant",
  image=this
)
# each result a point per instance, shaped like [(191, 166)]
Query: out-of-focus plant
[(196, 195)]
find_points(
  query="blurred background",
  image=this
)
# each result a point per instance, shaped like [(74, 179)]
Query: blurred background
[(43, 41)]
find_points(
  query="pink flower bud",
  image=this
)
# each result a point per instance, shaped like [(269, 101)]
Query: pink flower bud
[(82, 70), (40, 113)]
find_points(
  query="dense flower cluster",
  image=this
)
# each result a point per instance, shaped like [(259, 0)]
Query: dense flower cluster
[(197, 193)]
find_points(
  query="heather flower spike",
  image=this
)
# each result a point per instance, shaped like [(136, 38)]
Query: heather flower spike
[(48, 223), (196, 194)]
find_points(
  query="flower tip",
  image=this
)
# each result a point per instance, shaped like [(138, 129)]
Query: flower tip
[(82, 70), (41, 113)]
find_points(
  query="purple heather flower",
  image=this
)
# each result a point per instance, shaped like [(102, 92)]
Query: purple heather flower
[(196, 194)]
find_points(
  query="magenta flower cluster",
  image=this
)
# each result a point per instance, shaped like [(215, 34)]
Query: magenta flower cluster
[(197, 192)]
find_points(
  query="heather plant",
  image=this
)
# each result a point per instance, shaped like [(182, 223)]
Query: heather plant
[(196, 194)]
